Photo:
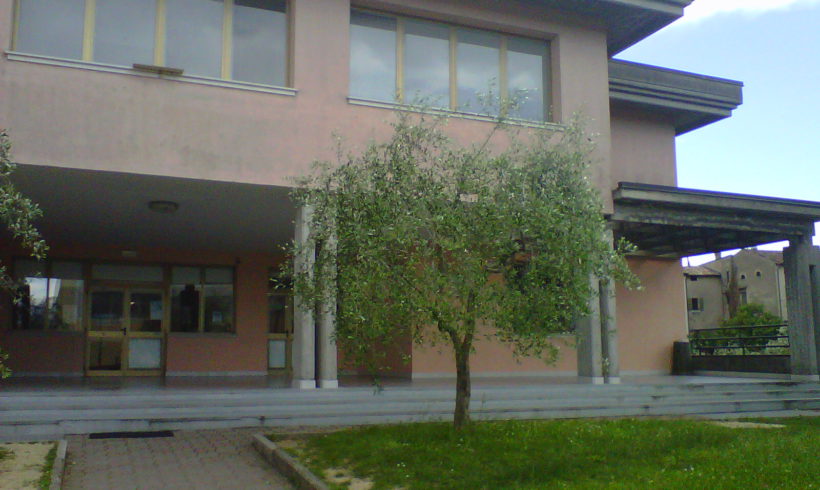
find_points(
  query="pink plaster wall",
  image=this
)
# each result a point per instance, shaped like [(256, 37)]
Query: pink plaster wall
[(155, 126), (643, 148), (492, 357), (652, 318)]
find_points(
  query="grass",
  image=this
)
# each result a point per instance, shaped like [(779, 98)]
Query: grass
[(45, 476), (625, 453)]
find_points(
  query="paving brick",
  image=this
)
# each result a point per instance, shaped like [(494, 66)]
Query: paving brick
[(202, 459)]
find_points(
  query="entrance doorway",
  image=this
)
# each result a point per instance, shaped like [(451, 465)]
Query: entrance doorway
[(126, 331)]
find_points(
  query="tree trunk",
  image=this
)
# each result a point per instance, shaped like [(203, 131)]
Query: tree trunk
[(461, 416)]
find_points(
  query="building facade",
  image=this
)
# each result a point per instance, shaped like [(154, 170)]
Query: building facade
[(161, 143)]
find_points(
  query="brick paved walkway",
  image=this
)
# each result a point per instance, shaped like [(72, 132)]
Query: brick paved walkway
[(202, 459)]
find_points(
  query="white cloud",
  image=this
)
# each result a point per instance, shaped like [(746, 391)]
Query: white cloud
[(703, 9)]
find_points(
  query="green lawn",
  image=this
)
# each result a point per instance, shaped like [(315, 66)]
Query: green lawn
[(626, 453)]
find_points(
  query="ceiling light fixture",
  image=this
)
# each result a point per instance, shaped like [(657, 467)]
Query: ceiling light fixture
[(163, 207)]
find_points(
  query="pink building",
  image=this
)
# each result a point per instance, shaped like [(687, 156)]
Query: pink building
[(160, 137)]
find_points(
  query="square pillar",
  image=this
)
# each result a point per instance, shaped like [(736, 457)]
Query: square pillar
[(326, 326), (802, 339), (588, 328), (304, 334), (609, 333)]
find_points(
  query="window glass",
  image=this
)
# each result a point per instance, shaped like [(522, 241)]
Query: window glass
[(65, 304), (219, 275), (278, 313), (260, 41), (185, 307), (477, 60), (194, 36), (32, 306), (122, 272), (124, 31), (427, 63), (526, 73), (372, 57), (51, 28), (218, 308), (184, 275)]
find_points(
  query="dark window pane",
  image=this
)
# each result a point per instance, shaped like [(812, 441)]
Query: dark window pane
[(260, 41), (51, 27), (218, 308), (278, 313), (124, 31), (146, 312), (194, 36), (185, 307), (107, 311), (427, 63), (527, 75), (477, 63), (372, 57)]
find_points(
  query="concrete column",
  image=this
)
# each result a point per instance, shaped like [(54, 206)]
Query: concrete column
[(796, 264), (815, 296), (326, 346), (304, 333), (609, 333), (590, 361)]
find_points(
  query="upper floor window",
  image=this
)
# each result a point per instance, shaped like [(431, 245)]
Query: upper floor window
[(244, 40), (404, 60)]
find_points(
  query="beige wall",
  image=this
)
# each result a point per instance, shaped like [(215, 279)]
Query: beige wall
[(709, 291), (643, 148), (156, 126), (652, 318), (242, 352)]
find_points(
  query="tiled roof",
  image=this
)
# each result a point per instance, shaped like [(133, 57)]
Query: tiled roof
[(700, 270)]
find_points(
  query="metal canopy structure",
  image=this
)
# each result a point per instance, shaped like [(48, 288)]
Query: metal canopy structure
[(672, 222)]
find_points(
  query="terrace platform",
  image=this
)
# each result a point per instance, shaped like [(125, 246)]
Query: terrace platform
[(33, 409)]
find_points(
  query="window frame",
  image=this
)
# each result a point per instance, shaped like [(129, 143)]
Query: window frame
[(159, 49), (503, 76), (695, 304)]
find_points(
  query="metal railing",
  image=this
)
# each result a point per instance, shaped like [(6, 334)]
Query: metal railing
[(757, 340)]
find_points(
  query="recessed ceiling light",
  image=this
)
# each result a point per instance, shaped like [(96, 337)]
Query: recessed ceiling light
[(163, 207)]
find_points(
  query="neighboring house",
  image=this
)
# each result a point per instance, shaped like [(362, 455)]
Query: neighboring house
[(760, 278), (705, 305), (160, 138)]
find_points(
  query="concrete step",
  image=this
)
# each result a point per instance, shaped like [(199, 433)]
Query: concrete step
[(33, 417), (296, 397)]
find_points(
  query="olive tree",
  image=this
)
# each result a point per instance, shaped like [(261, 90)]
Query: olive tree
[(444, 243), (18, 214)]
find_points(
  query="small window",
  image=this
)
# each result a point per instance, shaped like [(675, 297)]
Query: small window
[(693, 278), (695, 304), (743, 277), (758, 274), (202, 299), (744, 297)]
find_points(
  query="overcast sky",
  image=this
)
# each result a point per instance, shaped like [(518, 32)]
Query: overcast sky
[(771, 144)]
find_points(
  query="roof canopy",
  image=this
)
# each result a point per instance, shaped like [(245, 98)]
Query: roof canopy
[(626, 21), (673, 222)]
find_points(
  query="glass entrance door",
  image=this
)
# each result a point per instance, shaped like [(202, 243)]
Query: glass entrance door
[(125, 331)]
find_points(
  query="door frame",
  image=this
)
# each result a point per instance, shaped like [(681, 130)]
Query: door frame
[(127, 287)]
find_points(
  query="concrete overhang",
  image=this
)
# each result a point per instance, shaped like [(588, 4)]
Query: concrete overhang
[(674, 222), (689, 99), (626, 21), (93, 207)]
